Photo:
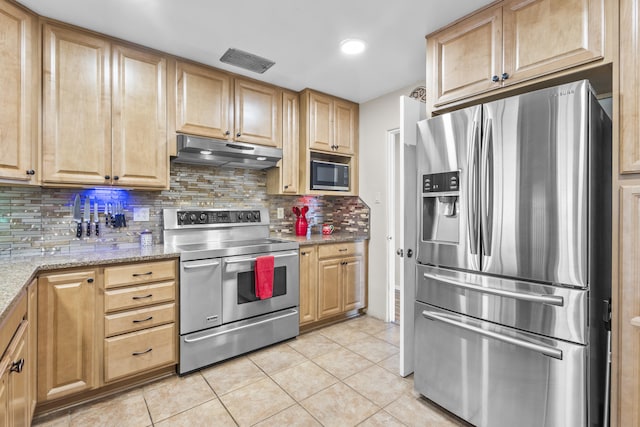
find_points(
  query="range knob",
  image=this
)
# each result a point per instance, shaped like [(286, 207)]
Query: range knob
[(182, 217), (203, 217), (240, 216), (193, 217), (249, 216), (256, 214)]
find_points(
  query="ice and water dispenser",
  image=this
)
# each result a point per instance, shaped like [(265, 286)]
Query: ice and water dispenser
[(440, 206)]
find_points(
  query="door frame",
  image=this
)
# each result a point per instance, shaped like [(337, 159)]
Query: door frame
[(393, 241)]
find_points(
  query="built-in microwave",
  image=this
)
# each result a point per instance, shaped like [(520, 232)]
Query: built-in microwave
[(329, 176)]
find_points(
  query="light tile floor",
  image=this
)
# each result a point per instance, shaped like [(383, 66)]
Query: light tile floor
[(342, 375)]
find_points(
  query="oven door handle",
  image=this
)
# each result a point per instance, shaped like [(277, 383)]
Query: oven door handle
[(539, 348), (237, 261), (544, 299), (192, 266), (293, 312)]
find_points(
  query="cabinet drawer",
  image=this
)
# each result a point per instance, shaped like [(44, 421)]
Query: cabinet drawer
[(134, 320), (139, 273), (335, 250), (137, 352), (139, 296)]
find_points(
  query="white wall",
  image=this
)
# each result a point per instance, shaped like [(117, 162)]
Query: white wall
[(376, 118)]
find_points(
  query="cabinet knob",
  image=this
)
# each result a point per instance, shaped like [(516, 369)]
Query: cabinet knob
[(286, 186), (107, 177), (495, 79), (505, 76), (17, 366), (31, 172), (116, 177), (304, 253), (90, 280), (238, 134), (227, 133)]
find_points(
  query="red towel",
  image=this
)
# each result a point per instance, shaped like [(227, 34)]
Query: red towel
[(264, 276)]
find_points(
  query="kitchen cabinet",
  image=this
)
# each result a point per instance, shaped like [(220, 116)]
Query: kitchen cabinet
[(283, 179), (515, 41), (15, 379), (328, 132), (32, 360), (19, 86), (629, 83), (213, 103), (139, 318), (68, 334), (330, 124), (332, 281), (104, 112)]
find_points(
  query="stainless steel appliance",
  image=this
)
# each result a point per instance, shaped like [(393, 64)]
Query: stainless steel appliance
[(514, 259), (329, 176), (220, 315)]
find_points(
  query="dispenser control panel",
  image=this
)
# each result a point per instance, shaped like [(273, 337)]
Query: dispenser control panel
[(441, 182)]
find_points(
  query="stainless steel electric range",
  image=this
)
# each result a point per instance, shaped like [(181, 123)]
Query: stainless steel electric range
[(220, 315)]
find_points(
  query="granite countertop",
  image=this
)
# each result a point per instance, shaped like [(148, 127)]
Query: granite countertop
[(315, 239), (18, 271)]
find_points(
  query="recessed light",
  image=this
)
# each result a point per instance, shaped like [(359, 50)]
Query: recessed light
[(205, 152), (261, 158), (352, 46)]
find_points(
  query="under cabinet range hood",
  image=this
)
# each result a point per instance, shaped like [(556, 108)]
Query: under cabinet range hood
[(218, 152)]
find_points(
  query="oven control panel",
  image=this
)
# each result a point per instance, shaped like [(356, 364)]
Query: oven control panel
[(217, 217)]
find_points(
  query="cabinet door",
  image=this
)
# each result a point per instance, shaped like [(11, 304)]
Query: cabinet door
[(140, 157), (629, 308), (203, 101), (308, 284), (19, 398), (542, 36), (68, 335), (18, 116), (320, 126), (284, 178), (32, 313), (462, 59), (629, 82), (345, 126), (76, 139), (258, 113), (353, 283), (4, 391), (329, 288)]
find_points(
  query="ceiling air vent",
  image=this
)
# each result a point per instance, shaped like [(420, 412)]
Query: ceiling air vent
[(246, 60)]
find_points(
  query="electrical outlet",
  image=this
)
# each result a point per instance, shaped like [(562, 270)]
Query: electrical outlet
[(280, 213), (141, 214)]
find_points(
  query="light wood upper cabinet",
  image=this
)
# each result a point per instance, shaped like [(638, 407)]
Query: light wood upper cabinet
[(330, 124), (283, 179), (629, 83), (19, 88), (139, 105), (258, 113), (514, 41), (76, 113), (203, 101), (308, 284), (463, 58), (345, 125), (319, 116), (68, 334)]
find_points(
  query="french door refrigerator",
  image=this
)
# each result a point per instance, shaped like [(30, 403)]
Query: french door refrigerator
[(513, 259)]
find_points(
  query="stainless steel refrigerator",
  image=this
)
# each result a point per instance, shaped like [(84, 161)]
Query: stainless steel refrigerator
[(514, 259)]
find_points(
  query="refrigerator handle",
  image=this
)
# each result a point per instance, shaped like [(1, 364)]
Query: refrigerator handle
[(486, 189), (472, 190)]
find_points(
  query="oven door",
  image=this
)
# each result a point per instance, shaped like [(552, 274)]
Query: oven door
[(239, 299)]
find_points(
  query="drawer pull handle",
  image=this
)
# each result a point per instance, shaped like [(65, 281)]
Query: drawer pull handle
[(138, 353), (146, 296), (342, 250), (148, 273), (17, 366), (143, 320)]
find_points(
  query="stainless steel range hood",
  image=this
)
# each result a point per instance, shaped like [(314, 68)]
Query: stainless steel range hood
[(218, 152)]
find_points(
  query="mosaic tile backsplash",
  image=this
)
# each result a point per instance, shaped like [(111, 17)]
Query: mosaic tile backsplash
[(36, 220)]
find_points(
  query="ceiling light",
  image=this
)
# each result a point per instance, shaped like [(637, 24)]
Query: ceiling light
[(205, 152), (261, 158), (352, 46)]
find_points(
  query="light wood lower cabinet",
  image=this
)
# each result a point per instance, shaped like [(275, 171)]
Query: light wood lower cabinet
[(332, 280), (68, 335)]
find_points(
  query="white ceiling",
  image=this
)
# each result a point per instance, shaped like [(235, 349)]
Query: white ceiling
[(301, 36)]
